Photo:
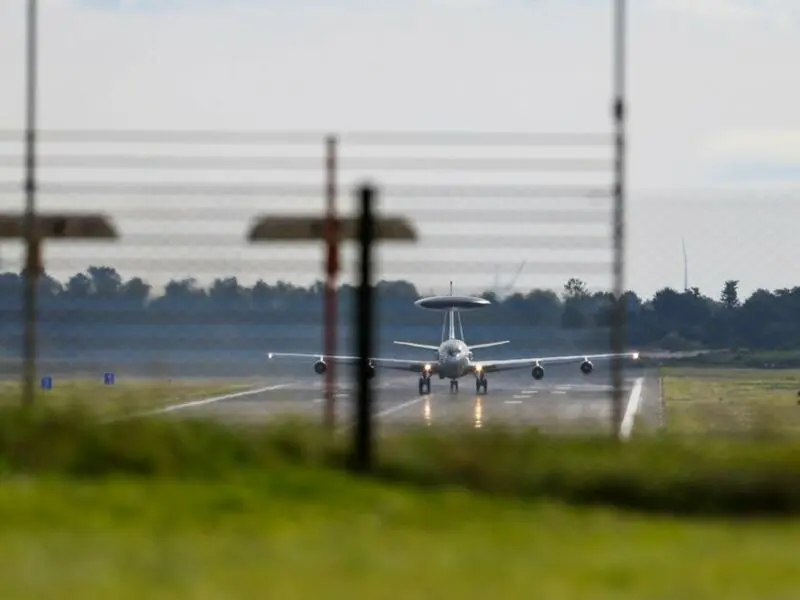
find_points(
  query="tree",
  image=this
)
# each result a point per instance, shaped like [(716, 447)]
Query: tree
[(542, 306), (79, 286), (228, 291), (730, 294), (105, 281), (135, 292), (575, 288), (96, 311), (572, 317)]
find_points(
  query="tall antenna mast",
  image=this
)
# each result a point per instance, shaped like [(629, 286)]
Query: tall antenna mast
[(504, 292), (685, 266)]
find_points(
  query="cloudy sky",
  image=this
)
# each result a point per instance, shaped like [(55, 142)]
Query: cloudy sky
[(714, 130)]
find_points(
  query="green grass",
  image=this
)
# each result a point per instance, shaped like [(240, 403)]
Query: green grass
[(116, 400), (736, 359), (656, 474), (157, 508), (762, 401), (304, 533)]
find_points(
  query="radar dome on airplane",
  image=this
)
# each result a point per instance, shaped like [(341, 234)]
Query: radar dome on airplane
[(452, 302)]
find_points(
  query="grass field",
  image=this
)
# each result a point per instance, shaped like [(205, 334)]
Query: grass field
[(303, 533), (124, 398), (703, 400), (156, 508), (741, 359)]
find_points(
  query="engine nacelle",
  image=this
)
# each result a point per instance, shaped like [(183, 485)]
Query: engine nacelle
[(586, 367), (320, 367), (537, 372)]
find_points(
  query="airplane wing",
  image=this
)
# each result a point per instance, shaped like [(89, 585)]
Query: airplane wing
[(397, 364), (494, 366)]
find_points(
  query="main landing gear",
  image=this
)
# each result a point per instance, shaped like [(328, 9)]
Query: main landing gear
[(424, 385), (481, 383)]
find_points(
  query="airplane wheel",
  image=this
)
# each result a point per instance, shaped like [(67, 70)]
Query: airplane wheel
[(454, 387), (481, 383), (424, 385)]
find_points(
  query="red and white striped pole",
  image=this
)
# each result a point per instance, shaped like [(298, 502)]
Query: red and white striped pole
[(332, 272)]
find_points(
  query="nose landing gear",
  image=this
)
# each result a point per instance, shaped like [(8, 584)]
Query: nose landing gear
[(454, 386), (481, 382), (424, 385)]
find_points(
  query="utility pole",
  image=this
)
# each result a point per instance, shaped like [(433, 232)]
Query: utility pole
[(34, 230), (332, 272), (618, 330), (363, 320), (32, 250)]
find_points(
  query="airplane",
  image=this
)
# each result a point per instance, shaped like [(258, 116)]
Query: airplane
[(453, 358)]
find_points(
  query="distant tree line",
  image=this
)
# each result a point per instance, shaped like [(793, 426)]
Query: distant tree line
[(98, 310)]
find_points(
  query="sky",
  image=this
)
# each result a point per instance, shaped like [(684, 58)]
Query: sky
[(713, 132)]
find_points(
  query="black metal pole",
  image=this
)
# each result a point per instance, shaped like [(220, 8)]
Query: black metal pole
[(618, 329), (29, 294), (364, 322)]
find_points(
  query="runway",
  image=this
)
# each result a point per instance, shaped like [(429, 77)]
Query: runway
[(564, 401)]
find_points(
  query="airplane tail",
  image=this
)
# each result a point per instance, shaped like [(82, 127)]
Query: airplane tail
[(434, 348), (415, 345)]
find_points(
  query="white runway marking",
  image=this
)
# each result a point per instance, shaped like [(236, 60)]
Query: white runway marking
[(203, 401), (626, 427), (595, 387), (514, 401), (559, 392), (398, 407), (393, 409)]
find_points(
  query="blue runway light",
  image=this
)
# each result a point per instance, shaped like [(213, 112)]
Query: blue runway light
[(47, 383), (109, 379)]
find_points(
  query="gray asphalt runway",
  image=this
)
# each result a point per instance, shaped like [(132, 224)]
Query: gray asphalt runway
[(564, 401)]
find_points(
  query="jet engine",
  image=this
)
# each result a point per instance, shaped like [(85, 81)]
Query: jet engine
[(320, 367), (537, 372), (586, 367)]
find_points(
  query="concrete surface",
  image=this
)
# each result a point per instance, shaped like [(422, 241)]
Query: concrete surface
[(564, 401)]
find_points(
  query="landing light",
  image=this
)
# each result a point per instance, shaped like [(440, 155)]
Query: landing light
[(478, 368), (635, 356), (427, 367), (270, 355)]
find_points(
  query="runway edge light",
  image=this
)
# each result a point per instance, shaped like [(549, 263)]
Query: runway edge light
[(47, 383), (109, 378)]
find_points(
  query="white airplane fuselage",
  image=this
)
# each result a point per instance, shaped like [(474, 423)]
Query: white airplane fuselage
[(454, 359)]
